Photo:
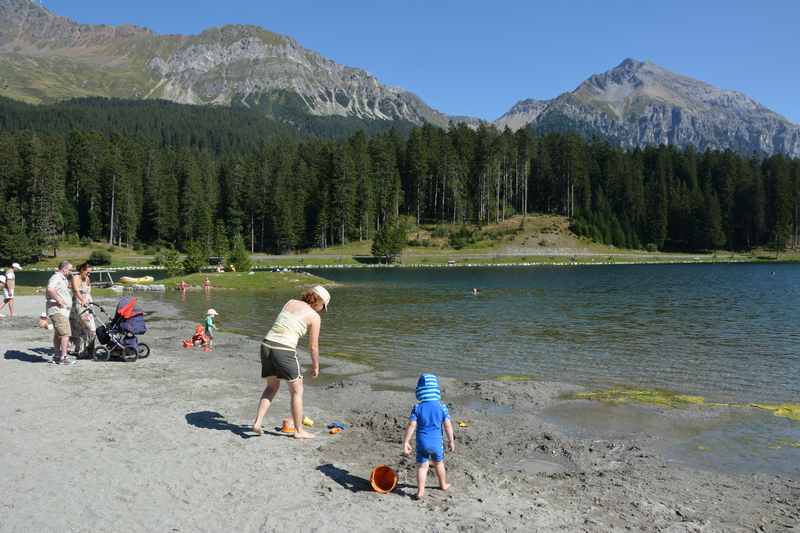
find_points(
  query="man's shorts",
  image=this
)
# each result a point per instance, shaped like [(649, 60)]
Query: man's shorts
[(432, 451), (7, 295), (61, 325), (280, 361)]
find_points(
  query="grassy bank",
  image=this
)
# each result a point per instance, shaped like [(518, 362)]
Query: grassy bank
[(76, 254), (246, 281), (540, 239)]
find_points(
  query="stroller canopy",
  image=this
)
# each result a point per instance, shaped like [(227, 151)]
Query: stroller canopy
[(131, 316)]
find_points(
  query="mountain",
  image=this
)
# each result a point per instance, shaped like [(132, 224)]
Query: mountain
[(522, 114), (46, 58), (639, 103)]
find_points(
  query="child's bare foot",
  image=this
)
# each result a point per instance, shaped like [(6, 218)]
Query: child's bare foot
[(258, 430), (302, 434), (445, 486)]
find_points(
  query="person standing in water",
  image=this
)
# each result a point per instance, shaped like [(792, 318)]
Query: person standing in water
[(279, 354)]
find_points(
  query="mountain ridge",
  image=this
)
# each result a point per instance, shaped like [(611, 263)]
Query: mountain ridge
[(216, 66), (639, 103), (46, 58)]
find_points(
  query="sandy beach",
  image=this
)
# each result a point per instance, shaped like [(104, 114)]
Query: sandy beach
[(163, 444)]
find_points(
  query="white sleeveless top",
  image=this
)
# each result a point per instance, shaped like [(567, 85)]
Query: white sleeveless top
[(286, 330)]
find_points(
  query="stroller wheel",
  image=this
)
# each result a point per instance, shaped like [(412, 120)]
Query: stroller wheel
[(130, 354), (144, 350), (101, 353)]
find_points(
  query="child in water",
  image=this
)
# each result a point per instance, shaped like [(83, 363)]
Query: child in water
[(209, 328), (427, 418)]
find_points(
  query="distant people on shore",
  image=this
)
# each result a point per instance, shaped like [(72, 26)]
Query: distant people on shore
[(82, 323), (428, 417), (206, 284), (279, 354), (9, 282), (59, 305)]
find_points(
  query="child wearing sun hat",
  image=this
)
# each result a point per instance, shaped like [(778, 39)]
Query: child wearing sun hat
[(209, 328)]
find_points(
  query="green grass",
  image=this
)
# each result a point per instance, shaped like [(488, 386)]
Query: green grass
[(491, 249), (76, 254), (258, 281)]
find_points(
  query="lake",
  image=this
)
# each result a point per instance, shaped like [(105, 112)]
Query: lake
[(728, 332)]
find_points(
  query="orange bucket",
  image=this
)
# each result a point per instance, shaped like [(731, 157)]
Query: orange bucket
[(383, 479)]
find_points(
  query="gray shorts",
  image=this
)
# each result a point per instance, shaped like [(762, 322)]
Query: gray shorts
[(280, 361)]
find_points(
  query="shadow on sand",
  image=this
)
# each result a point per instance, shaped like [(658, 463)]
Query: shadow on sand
[(217, 422), (38, 355), (345, 478)]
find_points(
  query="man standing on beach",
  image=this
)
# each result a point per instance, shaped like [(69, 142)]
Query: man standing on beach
[(59, 304), (8, 290)]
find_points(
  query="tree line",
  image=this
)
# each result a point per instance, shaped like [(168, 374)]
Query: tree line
[(283, 193)]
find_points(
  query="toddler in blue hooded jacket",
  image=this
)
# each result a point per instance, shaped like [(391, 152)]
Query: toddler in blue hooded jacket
[(428, 417)]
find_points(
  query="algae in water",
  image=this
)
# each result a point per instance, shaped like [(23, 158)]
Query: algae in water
[(645, 396)]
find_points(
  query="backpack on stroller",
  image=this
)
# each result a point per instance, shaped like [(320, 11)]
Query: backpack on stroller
[(118, 335)]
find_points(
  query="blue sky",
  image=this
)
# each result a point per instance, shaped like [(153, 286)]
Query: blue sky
[(480, 57)]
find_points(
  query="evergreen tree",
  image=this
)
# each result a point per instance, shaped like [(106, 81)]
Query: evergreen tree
[(195, 258), (220, 246), (240, 257), (15, 245)]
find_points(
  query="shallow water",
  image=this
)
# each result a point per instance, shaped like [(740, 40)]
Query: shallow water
[(727, 332)]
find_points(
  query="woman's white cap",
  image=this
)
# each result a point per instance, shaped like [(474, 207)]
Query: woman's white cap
[(16, 266), (212, 312), (323, 293)]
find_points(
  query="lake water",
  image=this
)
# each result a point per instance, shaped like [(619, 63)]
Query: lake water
[(729, 332)]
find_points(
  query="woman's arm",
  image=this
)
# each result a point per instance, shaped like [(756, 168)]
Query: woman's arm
[(313, 344)]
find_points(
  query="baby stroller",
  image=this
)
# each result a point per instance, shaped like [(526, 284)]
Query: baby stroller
[(117, 336)]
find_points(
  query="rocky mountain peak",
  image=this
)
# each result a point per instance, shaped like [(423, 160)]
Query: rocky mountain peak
[(521, 114), (639, 103)]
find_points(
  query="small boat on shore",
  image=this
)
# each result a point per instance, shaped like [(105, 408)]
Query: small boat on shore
[(144, 280)]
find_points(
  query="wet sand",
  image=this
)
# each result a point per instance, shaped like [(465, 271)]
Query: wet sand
[(163, 444)]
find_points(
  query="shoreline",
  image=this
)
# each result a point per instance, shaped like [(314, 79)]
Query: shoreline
[(261, 267), (163, 444)]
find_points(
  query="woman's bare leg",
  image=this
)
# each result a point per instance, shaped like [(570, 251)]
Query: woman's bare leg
[(273, 384), (296, 390)]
